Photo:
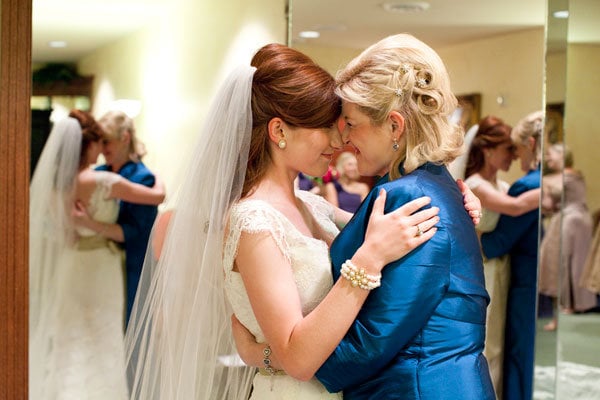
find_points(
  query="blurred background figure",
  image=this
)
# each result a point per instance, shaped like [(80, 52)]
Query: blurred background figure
[(123, 154), (590, 278), (567, 240), (77, 292), (347, 191), (518, 237), (492, 150)]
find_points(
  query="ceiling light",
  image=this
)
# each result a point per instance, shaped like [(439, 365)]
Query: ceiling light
[(57, 44), (309, 34), (561, 14), (406, 7)]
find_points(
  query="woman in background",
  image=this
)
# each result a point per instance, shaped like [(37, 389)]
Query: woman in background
[(567, 240), (347, 191), (77, 290), (492, 150), (517, 236)]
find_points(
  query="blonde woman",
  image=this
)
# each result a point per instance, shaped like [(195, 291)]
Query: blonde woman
[(347, 191)]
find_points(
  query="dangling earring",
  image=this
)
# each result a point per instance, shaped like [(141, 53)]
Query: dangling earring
[(282, 143), (395, 146)]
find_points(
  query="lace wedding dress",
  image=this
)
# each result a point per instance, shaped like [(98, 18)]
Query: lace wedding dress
[(87, 358), (310, 262)]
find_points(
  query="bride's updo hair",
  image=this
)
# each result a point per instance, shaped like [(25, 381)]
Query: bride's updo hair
[(491, 133), (289, 85), (90, 131)]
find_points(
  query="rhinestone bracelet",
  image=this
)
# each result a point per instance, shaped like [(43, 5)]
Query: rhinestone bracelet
[(267, 360), (359, 277)]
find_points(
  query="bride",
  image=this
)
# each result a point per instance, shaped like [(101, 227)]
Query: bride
[(76, 277)]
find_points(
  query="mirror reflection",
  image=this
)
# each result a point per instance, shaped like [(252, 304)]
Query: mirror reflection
[(570, 201), (160, 66)]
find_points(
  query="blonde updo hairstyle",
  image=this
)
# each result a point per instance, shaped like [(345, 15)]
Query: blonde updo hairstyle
[(401, 73), (115, 123), (531, 125)]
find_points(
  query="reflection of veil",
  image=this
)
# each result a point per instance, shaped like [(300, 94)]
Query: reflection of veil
[(458, 167), (50, 232), (180, 327)]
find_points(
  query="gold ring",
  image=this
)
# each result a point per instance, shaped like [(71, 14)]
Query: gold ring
[(419, 231)]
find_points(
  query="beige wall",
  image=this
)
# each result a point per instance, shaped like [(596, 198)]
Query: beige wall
[(582, 117), (175, 65)]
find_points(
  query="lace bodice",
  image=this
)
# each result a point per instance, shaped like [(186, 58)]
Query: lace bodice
[(309, 257), (101, 208)]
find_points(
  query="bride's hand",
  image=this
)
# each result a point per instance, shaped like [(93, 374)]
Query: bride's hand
[(250, 351), (80, 215), (393, 235), (472, 202)]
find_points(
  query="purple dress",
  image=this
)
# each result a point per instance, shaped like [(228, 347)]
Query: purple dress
[(346, 200)]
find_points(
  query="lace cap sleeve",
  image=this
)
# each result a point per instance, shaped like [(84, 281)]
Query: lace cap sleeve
[(254, 216), (105, 181)]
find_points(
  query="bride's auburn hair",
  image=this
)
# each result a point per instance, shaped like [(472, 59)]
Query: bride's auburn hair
[(90, 131), (289, 85)]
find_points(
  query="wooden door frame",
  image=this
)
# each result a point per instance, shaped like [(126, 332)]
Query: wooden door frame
[(15, 93)]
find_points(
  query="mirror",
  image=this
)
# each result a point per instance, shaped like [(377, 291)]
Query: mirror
[(573, 370)]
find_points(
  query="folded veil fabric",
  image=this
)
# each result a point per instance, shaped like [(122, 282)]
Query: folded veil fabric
[(458, 167), (179, 341)]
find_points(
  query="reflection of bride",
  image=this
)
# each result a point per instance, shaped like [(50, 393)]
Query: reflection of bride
[(491, 149), (76, 277)]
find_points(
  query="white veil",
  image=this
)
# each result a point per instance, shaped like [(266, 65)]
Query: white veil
[(180, 327), (458, 167), (50, 233)]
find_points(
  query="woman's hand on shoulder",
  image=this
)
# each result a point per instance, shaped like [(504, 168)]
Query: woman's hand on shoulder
[(471, 202), (391, 236)]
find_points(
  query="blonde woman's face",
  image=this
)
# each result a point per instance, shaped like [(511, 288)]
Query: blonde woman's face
[(525, 154), (372, 144), (350, 168)]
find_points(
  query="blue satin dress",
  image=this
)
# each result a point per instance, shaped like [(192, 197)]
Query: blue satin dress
[(518, 236), (421, 334)]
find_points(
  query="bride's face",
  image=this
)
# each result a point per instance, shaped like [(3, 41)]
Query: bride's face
[(93, 151), (311, 150)]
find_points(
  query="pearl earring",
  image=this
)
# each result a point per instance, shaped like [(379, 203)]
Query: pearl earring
[(282, 144)]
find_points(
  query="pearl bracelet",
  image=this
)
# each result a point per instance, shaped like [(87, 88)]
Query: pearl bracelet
[(359, 277)]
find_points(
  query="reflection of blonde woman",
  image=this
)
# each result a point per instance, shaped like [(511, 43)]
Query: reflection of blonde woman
[(492, 150), (347, 192)]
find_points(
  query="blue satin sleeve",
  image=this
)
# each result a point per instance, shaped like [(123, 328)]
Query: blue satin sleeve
[(411, 289), (510, 230)]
